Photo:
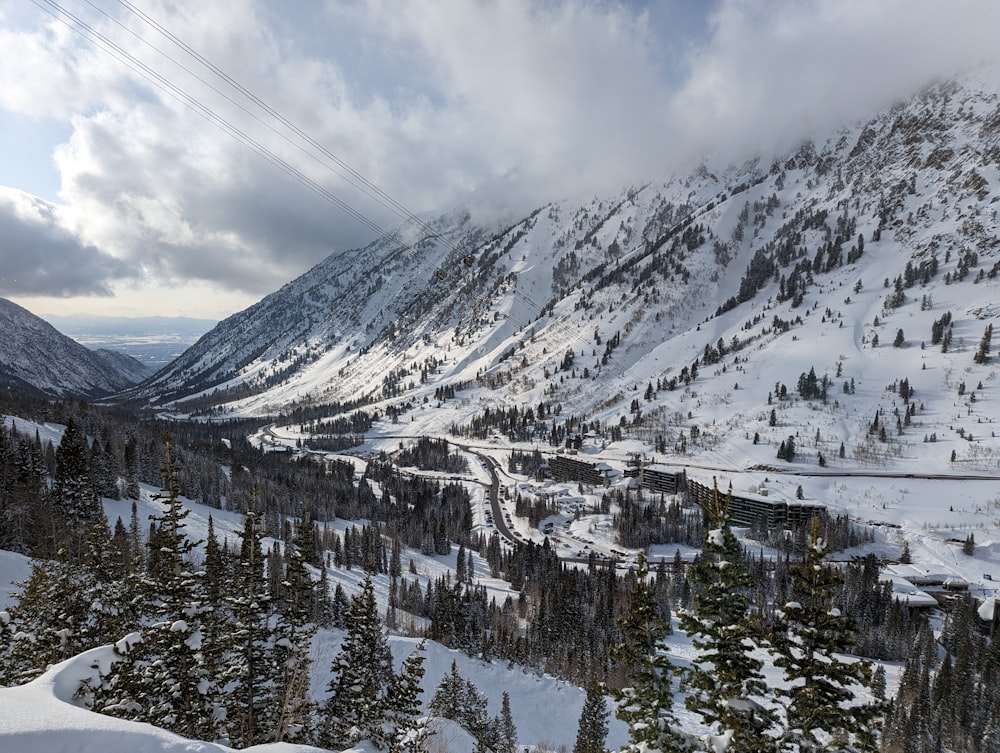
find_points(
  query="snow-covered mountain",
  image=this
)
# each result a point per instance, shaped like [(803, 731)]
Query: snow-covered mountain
[(154, 341), (821, 259), (132, 369), (36, 359)]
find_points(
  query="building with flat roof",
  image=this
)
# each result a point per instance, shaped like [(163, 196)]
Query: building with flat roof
[(748, 509), (664, 479), (571, 468)]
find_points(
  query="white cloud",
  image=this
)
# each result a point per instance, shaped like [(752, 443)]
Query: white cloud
[(774, 71), (438, 102)]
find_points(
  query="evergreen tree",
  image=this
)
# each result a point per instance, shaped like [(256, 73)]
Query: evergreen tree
[(507, 732), (362, 672), (249, 673), (293, 635), (726, 683), (162, 676), (73, 493), (646, 702), (821, 688), (592, 730), (406, 731), (459, 699)]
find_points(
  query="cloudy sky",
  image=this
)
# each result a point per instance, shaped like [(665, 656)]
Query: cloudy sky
[(135, 179)]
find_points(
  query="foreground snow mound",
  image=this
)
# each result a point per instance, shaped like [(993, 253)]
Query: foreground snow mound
[(43, 717)]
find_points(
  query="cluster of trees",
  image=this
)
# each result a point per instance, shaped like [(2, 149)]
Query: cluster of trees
[(786, 450), (459, 699), (206, 647), (44, 488), (949, 691), (823, 698), (640, 524), (812, 388), (430, 454)]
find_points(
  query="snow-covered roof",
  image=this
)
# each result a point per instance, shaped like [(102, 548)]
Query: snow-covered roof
[(920, 576), (905, 591)]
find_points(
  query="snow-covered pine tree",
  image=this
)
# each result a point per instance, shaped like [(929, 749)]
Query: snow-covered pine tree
[(73, 495), (459, 699), (592, 730), (646, 702), (506, 730), (162, 676), (448, 695), (362, 672), (725, 681), (822, 689), (405, 729), (293, 634), (249, 674)]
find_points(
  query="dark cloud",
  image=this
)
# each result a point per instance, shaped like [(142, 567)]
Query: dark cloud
[(39, 257), (504, 104)]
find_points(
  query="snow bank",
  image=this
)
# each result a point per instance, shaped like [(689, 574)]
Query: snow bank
[(42, 717)]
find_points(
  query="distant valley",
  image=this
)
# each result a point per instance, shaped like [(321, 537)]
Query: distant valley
[(154, 341)]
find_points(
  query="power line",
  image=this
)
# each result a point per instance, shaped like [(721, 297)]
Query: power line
[(627, 376)]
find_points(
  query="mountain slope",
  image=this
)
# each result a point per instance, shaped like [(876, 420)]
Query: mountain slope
[(648, 307), (36, 358), (132, 369)]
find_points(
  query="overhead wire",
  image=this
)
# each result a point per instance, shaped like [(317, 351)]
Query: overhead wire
[(354, 177), (626, 377)]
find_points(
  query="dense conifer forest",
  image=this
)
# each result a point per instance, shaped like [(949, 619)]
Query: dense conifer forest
[(207, 626)]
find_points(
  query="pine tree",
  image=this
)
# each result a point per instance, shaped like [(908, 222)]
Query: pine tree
[(983, 353), (506, 731), (293, 635), (406, 731), (821, 688), (73, 492), (162, 676), (249, 672), (459, 699), (726, 683), (592, 730), (362, 672), (646, 702)]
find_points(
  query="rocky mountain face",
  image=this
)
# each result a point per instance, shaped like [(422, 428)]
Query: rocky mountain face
[(36, 359), (612, 304)]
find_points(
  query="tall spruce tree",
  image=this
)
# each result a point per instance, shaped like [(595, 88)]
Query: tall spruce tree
[(592, 730), (73, 494), (405, 729), (506, 730), (725, 681), (293, 635), (646, 702), (250, 666), (821, 688), (459, 699), (362, 672)]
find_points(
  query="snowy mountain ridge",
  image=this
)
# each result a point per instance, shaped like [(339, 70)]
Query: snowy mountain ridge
[(650, 307), (37, 359)]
